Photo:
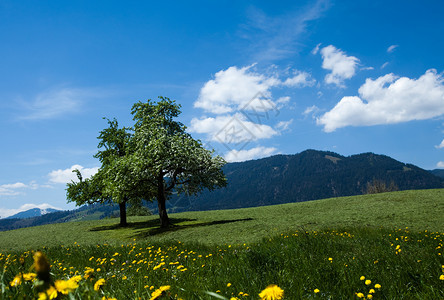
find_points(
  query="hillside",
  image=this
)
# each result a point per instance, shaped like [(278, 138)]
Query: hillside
[(309, 175), (438, 172), (418, 210)]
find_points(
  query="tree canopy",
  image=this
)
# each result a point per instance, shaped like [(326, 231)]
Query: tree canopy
[(149, 161)]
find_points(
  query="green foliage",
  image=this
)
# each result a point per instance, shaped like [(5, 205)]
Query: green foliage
[(149, 161)]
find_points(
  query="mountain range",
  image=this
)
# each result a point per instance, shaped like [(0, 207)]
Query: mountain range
[(33, 212), (278, 179), (309, 175)]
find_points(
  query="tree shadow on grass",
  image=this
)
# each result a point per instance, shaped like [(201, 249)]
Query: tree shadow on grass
[(175, 227), (139, 225), (152, 227)]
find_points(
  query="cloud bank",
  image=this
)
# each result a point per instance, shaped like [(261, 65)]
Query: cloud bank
[(388, 100)]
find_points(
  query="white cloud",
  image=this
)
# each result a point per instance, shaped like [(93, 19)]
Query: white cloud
[(341, 66), (316, 49), (440, 164), (384, 65), (231, 129), (254, 153), (5, 212), (67, 175), (284, 125), (234, 88), (441, 145), (389, 100), (57, 103), (391, 48), (13, 189), (313, 110), (301, 79)]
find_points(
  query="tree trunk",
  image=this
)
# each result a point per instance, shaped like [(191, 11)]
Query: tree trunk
[(122, 207), (161, 203)]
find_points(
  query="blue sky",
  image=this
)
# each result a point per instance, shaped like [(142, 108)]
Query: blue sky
[(254, 78)]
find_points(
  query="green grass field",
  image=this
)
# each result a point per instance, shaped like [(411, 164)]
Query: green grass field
[(383, 246), (418, 210)]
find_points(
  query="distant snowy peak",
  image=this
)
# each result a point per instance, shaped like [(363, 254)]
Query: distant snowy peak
[(33, 212)]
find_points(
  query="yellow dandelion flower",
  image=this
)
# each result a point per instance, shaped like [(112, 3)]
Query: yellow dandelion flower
[(377, 286), (272, 292), (362, 278), (157, 293), (441, 277), (372, 291), (360, 295), (368, 282), (316, 291), (228, 284), (41, 266), (29, 276), (369, 296), (65, 286), (50, 293), (16, 281), (99, 284)]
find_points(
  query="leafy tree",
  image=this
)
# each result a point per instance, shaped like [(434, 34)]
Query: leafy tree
[(166, 159), (151, 161), (113, 143)]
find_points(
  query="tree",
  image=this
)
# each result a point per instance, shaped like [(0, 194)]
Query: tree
[(114, 142), (166, 159), (152, 160)]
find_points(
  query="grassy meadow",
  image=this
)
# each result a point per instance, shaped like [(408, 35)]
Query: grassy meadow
[(383, 246)]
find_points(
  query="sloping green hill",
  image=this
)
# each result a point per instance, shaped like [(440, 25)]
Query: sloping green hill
[(418, 210)]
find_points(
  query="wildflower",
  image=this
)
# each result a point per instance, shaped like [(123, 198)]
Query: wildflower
[(362, 278), (441, 277), (316, 291), (88, 272), (368, 282), (99, 284), (369, 296), (65, 286), (51, 293), (41, 266), (372, 291), (360, 295), (377, 286), (234, 298), (108, 298), (17, 280), (29, 276), (272, 292), (157, 293), (228, 284)]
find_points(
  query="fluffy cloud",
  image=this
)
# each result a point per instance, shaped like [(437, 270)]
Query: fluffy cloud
[(5, 212), (231, 129), (341, 66), (388, 100), (440, 164), (13, 189), (67, 175), (441, 145), (233, 88), (254, 153)]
